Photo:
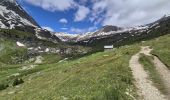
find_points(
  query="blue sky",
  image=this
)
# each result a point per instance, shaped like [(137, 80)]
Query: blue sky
[(79, 16), (59, 21)]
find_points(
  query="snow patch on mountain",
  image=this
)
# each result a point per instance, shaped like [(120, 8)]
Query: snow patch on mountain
[(78, 37), (37, 31), (12, 1), (20, 44), (65, 36), (2, 25), (167, 15), (11, 18)]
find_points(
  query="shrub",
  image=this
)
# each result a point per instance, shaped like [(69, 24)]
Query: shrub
[(3, 86), (17, 81)]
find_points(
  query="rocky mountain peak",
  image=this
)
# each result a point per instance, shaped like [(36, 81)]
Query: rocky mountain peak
[(12, 1), (109, 28), (12, 16)]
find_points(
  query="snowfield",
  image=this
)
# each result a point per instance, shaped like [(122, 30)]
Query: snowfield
[(12, 18), (78, 37)]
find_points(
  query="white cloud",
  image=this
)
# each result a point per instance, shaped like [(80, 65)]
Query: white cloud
[(109, 12), (81, 14), (53, 5), (63, 20), (62, 5), (84, 30), (82, 1), (48, 28), (128, 12)]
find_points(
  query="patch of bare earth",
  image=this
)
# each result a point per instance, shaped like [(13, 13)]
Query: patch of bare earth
[(146, 90)]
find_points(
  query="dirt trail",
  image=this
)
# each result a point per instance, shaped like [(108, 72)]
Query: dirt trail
[(146, 90), (165, 74)]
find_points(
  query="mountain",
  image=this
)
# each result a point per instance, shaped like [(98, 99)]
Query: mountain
[(13, 16), (100, 33), (100, 76), (38, 64), (65, 37), (18, 26), (109, 35)]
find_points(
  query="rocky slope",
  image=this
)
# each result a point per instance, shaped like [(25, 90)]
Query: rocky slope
[(13, 16), (18, 26), (120, 35)]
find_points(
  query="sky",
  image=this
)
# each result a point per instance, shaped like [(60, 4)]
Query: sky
[(80, 16)]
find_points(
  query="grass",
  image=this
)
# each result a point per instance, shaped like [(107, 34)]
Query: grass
[(95, 77), (161, 48), (12, 58), (6, 73), (100, 76), (7, 70), (51, 58), (16, 34), (154, 75), (10, 53)]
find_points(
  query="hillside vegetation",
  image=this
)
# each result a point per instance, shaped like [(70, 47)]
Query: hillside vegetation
[(10, 53), (161, 48), (100, 76)]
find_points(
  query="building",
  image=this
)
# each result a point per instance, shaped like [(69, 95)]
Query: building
[(108, 47)]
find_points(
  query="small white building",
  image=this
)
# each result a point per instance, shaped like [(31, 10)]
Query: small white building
[(108, 47)]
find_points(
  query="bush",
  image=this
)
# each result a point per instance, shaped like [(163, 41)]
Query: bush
[(17, 81), (3, 86)]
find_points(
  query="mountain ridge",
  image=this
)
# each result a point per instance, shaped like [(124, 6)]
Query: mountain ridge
[(108, 30), (12, 15)]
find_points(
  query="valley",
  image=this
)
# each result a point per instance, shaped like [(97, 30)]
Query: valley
[(94, 74), (39, 64)]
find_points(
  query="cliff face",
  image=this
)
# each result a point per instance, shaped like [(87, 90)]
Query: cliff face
[(13, 16)]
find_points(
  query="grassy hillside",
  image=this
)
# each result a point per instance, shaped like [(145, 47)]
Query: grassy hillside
[(10, 53), (26, 37), (161, 48), (13, 58), (100, 76)]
